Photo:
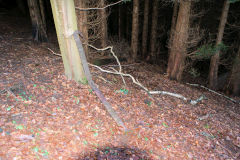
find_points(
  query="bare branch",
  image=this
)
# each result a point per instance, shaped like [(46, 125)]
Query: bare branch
[(198, 85)]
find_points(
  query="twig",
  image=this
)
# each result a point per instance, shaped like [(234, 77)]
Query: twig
[(120, 75), (123, 74), (88, 9), (114, 55), (210, 90), (104, 79), (54, 52)]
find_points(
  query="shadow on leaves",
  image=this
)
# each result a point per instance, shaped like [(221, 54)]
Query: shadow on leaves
[(115, 153)]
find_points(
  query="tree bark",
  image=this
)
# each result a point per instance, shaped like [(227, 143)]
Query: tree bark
[(145, 29), (66, 24), (38, 26), (154, 31), (43, 11), (236, 76), (213, 72), (234, 79), (82, 23), (179, 47), (104, 35), (120, 22), (134, 37), (172, 31)]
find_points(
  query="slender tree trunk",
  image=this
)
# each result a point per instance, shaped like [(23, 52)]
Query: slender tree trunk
[(145, 29), (82, 23), (128, 35), (153, 50), (66, 24), (38, 30), (213, 72), (172, 31), (104, 35), (120, 23), (178, 47), (134, 38)]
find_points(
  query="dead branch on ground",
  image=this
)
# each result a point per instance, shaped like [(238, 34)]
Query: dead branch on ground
[(198, 85), (135, 81)]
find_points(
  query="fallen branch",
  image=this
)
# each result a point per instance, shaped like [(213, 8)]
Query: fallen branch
[(193, 102), (210, 90), (120, 75), (54, 52), (135, 81), (93, 85), (123, 74), (114, 55)]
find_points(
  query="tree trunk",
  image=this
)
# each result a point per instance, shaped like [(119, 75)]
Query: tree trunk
[(154, 31), (120, 23), (82, 23), (104, 35), (66, 23), (179, 45), (38, 30), (42, 11), (145, 29), (172, 31), (134, 38), (234, 80), (128, 24), (213, 72), (236, 76)]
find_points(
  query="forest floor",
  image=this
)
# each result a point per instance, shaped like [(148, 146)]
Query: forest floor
[(43, 115)]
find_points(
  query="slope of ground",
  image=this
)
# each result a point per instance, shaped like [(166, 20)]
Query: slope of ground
[(43, 115)]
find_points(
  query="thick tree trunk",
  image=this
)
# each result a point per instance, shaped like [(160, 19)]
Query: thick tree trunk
[(82, 23), (154, 31), (172, 31), (178, 47), (39, 30), (104, 35), (213, 72), (66, 24), (43, 16), (236, 76), (234, 80), (145, 29), (134, 38)]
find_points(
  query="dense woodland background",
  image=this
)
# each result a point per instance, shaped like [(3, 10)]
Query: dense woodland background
[(197, 39)]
